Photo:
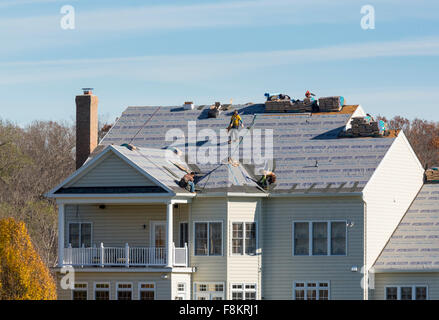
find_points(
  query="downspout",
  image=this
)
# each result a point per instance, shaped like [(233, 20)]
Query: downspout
[(365, 278)]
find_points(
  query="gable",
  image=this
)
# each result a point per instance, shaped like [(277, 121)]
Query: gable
[(112, 171)]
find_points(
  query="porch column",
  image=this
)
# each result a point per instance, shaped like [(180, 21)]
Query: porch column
[(60, 234), (169, 234)]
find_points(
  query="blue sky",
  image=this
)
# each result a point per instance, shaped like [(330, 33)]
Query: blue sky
[(168, 52)]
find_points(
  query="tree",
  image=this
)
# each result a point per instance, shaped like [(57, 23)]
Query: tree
[(23, 275), (423, 136)]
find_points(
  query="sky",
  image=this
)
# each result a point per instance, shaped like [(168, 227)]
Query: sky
[(150, 52)]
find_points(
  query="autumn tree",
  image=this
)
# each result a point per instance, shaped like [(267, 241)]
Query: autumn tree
[(23, 275), (423, 136)]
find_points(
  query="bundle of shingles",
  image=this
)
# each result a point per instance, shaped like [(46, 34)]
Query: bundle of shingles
[(287, 105), (365, 127), (331, 104), (432, 174)]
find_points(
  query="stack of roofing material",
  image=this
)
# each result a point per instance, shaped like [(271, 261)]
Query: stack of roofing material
[(366, 127), (287, 105), (432, 174), (331, 104)]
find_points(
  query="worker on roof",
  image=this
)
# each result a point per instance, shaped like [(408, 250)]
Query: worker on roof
[(233, 128), (310, 96), (187, 182), (268, 178)]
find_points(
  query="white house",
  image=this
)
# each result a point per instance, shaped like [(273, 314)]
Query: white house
[(131, 232)]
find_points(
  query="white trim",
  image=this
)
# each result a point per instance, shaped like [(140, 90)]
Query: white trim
[(243, 238), (317, 288), (413, 286), (124, 289), (61, 234), (101, 289), (208, 237), (81, 289), (140, 289), (132, 269), (310, 238), (89, 165)]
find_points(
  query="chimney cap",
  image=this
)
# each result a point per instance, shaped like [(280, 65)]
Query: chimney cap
[(87, 90)]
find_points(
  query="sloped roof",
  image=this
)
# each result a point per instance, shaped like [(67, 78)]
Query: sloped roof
[(415, 243), (308, 155)]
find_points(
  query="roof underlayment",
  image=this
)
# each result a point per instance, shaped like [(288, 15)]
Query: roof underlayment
[(308, 155), (415, 243)]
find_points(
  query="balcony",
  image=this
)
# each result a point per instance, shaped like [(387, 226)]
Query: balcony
[(124, 256)]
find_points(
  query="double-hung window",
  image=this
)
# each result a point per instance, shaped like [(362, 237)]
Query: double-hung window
[(416, 292), (146, 291), (317, 238), (208, 238), (243, 291), (80, 234), (80, 291), (209, 291), (244, 238), (124, 291), (102, 291), (311, 290)]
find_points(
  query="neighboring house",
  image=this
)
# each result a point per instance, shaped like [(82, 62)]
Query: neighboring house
[(408, 267), (131, 232)]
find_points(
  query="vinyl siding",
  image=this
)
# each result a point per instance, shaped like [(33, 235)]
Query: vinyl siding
[(162, 290), (280, 268), (431, 280), (209, 268), (243, 268), (119, 224), (111, 172), (389, 194)]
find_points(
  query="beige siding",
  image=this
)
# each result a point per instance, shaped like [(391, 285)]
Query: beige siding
[(119, 224), (389, 194), (280, 268), (163, 286), (209, 268), (243, 268), (111, 171), (431, 280)]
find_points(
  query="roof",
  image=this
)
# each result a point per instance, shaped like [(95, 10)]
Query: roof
[(308, 155), (414, 244)]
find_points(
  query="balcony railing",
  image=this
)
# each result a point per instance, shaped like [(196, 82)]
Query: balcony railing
[(124, 256)]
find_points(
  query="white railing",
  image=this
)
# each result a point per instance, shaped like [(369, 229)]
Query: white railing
[(180, 256), (123, 256)]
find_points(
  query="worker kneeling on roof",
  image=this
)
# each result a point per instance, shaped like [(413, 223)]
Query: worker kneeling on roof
[(268, 178), (187, 182), (235, 123)]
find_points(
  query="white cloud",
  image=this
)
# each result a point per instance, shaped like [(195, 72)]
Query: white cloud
[(180, 68)]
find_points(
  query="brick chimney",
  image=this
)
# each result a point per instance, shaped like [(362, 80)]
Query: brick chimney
[(86, 125)]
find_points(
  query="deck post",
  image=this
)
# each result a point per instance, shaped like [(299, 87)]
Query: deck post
[(127, 255), (169, 233), (102, 254), (60, 234)]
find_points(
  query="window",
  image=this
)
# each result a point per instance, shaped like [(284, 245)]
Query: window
[(80, 234), (209, 291), (80, 291), (146, 291), (208, 238), (184, 231), (124, 291), (244, 238), (406, 292), (181, 291), (241, 291), (102, 291), (311, 290), (319, 238)]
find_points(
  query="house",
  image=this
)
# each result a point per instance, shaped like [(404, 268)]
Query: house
[(131, 232)]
